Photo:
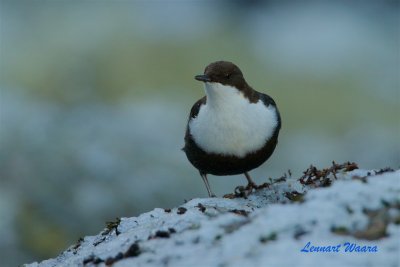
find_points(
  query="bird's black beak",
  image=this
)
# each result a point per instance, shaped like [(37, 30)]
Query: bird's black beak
[(202, 78)]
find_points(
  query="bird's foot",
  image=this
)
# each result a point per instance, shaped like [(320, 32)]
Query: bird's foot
[(241, 191), (251, 185)]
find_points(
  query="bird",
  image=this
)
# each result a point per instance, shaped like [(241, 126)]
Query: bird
[(233, 129)]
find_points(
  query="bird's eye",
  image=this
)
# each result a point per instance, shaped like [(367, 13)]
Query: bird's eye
[(227, 76)]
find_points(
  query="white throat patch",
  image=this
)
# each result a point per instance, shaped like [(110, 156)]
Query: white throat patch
[(229, 124)]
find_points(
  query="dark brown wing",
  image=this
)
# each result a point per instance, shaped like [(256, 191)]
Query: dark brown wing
[(196, 107), (193, 114), (267, 100)]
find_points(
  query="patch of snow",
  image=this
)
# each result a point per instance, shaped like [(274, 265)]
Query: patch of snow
[(262, 230)]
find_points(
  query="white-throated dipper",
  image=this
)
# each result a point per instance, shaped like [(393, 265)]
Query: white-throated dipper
[(234, 128)]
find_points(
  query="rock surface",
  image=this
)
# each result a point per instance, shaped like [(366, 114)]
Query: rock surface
[(271, 227)]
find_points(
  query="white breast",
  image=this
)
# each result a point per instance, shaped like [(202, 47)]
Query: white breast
[(229, 124)]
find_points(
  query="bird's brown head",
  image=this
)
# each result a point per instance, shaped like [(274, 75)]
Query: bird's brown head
[(223, 72)]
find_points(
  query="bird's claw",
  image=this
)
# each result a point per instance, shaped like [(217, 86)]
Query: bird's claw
[(241, 191), (250, 186)]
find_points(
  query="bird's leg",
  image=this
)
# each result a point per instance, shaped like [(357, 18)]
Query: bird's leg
[(250, 184), (205, 180)]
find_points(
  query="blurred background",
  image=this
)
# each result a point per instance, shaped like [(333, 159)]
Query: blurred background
[(95, 97)]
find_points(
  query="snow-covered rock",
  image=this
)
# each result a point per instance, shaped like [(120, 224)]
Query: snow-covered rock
[(331, 218)]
